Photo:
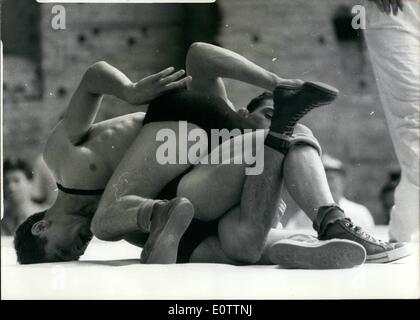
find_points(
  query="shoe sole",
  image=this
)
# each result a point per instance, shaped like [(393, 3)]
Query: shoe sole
[(165, 248), (330, 254), (325, 88), (390, 256)]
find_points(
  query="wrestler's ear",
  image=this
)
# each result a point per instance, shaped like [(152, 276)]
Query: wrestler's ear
[(40, 227), (243, 112)]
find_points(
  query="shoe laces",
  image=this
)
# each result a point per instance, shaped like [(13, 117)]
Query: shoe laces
[(296, 118), (360, 231)]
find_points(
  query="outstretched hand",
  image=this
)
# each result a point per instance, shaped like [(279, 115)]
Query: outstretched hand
[(145, 90), (389, 6)]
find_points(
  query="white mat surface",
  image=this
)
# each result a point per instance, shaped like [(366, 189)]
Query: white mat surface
[(111, 271)]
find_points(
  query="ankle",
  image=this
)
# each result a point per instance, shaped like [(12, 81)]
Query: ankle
[(278, 141), (275, 81), (327, 215)]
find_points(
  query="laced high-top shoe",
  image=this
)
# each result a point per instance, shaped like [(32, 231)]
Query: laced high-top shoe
[(338, 227), (291, 103), (307, 252)]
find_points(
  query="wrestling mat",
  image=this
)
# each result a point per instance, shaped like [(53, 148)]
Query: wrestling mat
[(111, 270)]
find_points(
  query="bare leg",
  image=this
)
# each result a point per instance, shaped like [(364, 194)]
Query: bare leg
[(211, 251), (137, 179), (209, 64), (305, 179), (213, 190), (289, 250), (243, 232)]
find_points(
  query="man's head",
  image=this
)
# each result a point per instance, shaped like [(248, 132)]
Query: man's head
[(45, 237), (336, 175), (261, 109), (17, 180)]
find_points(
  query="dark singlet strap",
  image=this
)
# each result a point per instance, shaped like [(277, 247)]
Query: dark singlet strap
[(80, 192)]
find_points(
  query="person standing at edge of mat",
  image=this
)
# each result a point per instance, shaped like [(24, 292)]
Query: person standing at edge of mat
[(393, 39)]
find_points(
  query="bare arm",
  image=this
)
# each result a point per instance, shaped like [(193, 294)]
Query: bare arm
[(209, 64), (103, 79)]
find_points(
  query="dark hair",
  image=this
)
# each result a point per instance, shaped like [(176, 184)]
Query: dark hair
[(258, 101), (18, 164), (29, 248)]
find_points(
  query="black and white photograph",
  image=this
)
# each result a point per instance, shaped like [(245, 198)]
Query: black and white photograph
[(210, 150)]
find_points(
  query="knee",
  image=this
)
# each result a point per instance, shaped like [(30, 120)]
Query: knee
[(301, 129), (188, 188), (243, 245), (304, 137), (98, 228), (195, 56), (195, 50)]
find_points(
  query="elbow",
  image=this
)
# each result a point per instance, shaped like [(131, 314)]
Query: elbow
[(91, 74), (94, 68), (99, 64)]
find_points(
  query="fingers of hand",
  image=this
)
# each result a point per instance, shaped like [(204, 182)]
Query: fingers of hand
[(294, 82), (177, 84), (387, 6), (380, 5), (395, 8), (164, 73), (400, 4), (171, 78)]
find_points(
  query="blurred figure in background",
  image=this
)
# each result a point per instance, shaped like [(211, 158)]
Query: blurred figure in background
[(387, 193), (336, 176), (18, 201)]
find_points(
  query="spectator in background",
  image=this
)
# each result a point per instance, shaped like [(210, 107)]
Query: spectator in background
[(18, 202), (387, 193), (336, 176)]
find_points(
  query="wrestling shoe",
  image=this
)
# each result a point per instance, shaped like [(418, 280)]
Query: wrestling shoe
[(377, 251), (306, 252), (293, 102), (170, 220)]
